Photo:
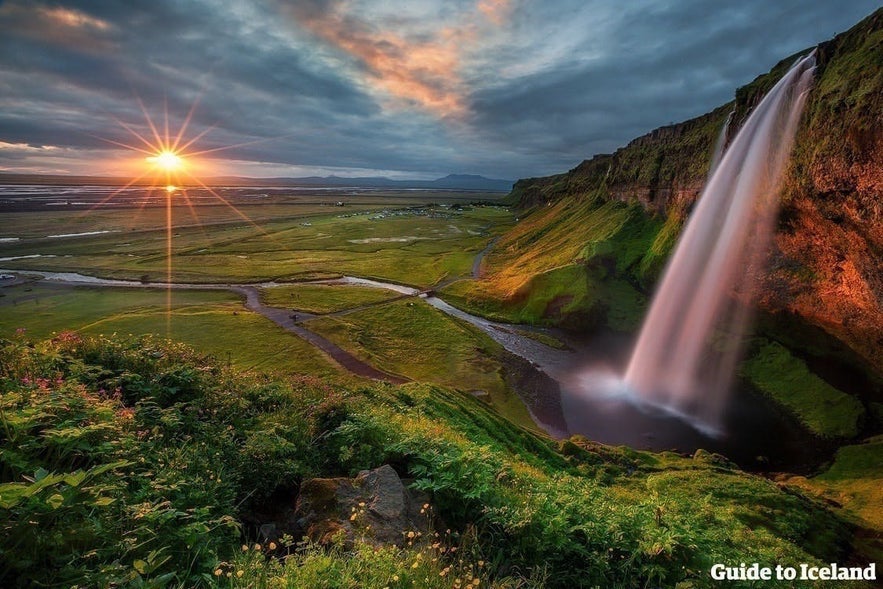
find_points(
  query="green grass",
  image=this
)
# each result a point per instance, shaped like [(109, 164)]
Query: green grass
[(410, 246), (825, 410), (323, 298), (575, 296), (214, 322), (854, 482), (413, 339), (574, 264), (143, 457), (364, 565), (855, 477)]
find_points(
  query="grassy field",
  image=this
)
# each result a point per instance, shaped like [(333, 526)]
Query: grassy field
[(323, 298), (36, 225), (213, 322), (420, 246), (413, 339)]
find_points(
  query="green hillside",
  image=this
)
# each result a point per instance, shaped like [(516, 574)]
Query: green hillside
[(136, 463)]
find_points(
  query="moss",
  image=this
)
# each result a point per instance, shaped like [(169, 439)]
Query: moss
[(825, 410), (853, 482)]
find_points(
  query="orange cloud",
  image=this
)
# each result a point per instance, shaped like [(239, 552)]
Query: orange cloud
[(72, 18), (67, 27), (497, 11), (422, 71)]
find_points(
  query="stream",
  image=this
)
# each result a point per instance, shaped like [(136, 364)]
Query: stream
[(757, 434)]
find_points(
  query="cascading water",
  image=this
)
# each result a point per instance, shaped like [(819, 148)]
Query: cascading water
[(690, 342)]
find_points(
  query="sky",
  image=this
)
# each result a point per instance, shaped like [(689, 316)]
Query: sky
[(399, 88)]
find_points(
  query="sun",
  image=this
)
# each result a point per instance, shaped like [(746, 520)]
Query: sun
[(167, 160)]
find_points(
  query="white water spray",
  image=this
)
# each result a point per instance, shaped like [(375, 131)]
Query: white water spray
[(690, 342)]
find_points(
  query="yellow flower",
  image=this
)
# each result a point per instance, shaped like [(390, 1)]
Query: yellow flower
[(244, 548), (257, 547), (218, 572), (410, 534), (416, 564), (272, 546), (239, 573), (395, 577)]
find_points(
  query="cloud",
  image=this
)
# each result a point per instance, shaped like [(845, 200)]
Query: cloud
[(420, 69), (413, 87), (70, 28), (495, 10)]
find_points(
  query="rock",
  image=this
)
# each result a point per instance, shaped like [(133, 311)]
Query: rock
[(375, 506), (714, 459)]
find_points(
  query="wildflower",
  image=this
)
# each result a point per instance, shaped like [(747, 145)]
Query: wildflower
[(239, 573), (272, 546), (245, 548), (410, 534), (395, 577), (218, 572), (481, 563), (416, 564), (257, 547), (426, 506)]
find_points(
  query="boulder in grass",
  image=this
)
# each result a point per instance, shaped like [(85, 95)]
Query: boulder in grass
[(375, 506)]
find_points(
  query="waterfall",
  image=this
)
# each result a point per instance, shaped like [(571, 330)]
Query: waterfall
[(690, 342)]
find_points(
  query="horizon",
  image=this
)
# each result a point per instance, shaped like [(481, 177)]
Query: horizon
[(409, 91)]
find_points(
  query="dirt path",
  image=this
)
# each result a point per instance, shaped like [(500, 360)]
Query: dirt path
[(283, 318)]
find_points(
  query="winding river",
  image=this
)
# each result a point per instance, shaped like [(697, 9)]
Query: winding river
[(759, 436)]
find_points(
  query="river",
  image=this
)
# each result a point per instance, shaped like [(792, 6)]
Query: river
[(756, 434)]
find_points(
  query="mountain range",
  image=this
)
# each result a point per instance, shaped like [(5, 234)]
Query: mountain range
[(449, 182)]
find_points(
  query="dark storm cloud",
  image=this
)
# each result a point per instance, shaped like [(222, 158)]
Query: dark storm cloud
[(496, 87), (661, 62)]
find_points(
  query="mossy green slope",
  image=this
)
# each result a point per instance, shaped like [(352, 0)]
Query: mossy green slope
[(577, 262), (822, 408)]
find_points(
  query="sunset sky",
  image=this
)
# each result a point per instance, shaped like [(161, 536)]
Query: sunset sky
[(409, 88)]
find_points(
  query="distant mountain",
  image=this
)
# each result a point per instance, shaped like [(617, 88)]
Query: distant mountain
[(449, 182)]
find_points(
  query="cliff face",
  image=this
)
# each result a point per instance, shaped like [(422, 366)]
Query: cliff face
[(827, 262)]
